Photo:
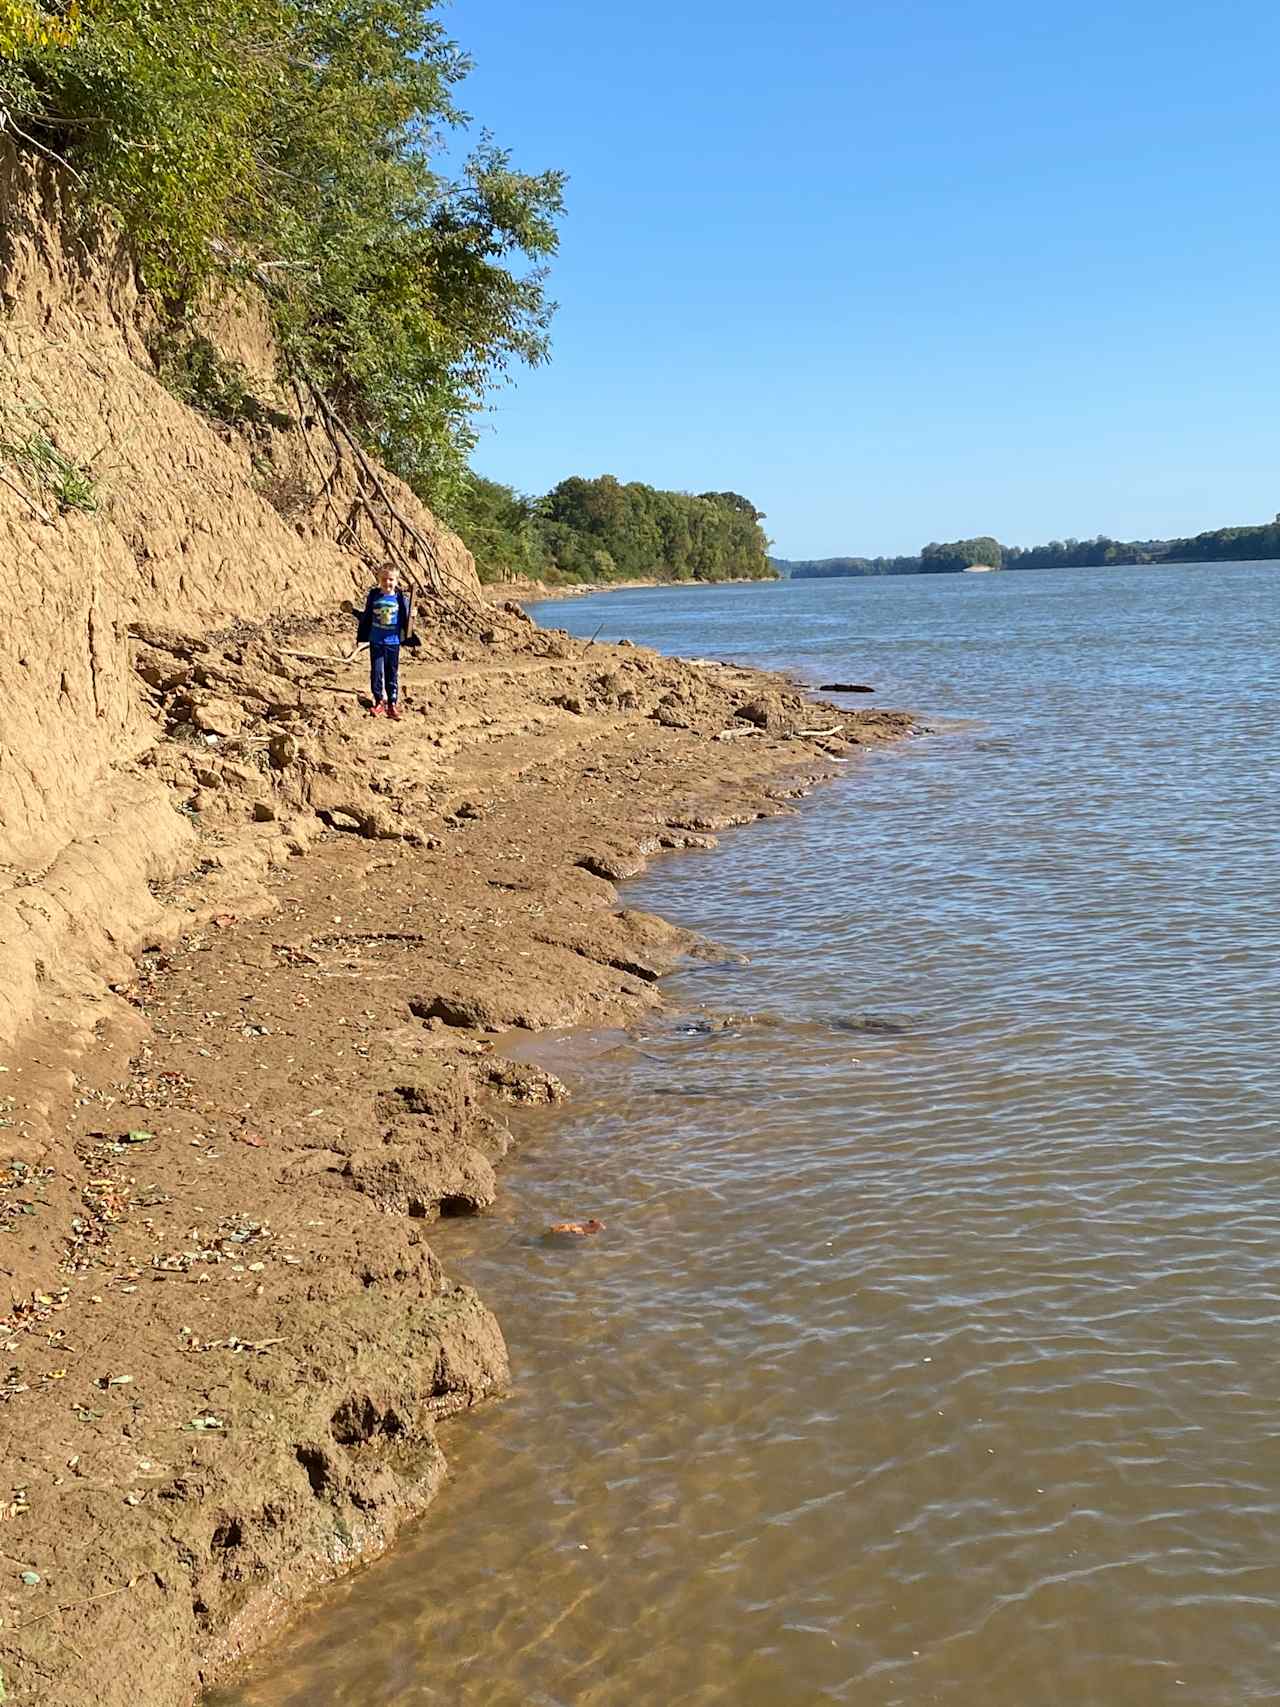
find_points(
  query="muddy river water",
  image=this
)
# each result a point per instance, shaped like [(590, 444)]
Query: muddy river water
[(931, 1353)]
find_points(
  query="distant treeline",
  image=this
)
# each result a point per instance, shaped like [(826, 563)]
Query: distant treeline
[(1222, 545), (603, 530)]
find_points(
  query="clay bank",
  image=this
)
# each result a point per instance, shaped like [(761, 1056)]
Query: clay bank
[(254, 948)]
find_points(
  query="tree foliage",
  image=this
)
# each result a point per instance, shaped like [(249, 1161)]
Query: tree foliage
[(297, 142), (963, 554), (603, 530), (1220, 545), (1227, 545), (27, 24)]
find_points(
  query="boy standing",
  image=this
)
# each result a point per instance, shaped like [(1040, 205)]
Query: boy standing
[(385, 625)]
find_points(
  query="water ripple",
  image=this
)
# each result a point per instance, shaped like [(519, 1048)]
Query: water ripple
[(930, 1354)]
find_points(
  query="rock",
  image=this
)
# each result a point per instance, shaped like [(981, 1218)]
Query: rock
[(505, 1006), (263, 812), (759, 713), (875, 1025), (680, 839), (616, 867), (516, 1081), (575, 1229), (217, 717), (471, 1013), (283, 750), (162, 672), (424, 1180), (845, 687), (341, 821)]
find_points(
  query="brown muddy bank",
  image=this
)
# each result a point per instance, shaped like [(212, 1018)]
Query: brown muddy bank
[(229, 1343), (527, 591)]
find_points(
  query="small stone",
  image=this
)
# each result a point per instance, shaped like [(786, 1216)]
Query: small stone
[(283, 751), (217, 717), (341, 820)]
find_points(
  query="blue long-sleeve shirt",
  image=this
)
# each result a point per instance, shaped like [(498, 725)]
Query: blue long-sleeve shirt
[(385, 620)]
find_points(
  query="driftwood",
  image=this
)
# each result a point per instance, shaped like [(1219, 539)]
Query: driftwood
[(737, 734), (835, 729)]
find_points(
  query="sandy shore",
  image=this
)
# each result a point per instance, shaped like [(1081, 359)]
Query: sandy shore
[(527, 592), (229, 1343)]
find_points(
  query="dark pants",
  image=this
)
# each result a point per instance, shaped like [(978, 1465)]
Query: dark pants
[(384, 667)]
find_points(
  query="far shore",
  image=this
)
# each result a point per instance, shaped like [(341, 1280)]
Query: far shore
[(524, 591)]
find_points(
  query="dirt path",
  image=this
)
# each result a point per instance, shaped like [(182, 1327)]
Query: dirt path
[(228, 1342)]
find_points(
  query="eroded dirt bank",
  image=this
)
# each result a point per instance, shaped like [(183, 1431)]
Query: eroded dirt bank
[(228, 1343)]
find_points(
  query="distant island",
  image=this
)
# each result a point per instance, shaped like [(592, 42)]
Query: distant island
[(602, 530), (1222, 545)]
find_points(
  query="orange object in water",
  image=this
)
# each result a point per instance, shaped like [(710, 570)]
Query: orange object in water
[(578, 1229)]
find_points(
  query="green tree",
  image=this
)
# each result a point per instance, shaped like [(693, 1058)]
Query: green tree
[(296, 142), (603, 529), (963, 554)]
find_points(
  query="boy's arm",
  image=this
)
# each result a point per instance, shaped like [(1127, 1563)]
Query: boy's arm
[(364, 627), (406, 619)]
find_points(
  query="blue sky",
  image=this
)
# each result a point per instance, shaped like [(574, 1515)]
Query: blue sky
[(902, 270)]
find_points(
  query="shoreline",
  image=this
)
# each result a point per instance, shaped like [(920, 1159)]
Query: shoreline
[(231, 1344), (527, 592)]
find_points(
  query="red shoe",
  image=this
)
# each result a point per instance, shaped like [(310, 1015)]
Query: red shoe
[(393, 712), (377, 709)]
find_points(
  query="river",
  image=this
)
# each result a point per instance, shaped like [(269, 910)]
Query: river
[(930, 1352)]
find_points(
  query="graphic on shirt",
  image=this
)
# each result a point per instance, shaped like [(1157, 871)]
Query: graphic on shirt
[(385, 617)]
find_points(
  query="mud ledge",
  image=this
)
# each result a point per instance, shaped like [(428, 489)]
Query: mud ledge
[(228, 1343)]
